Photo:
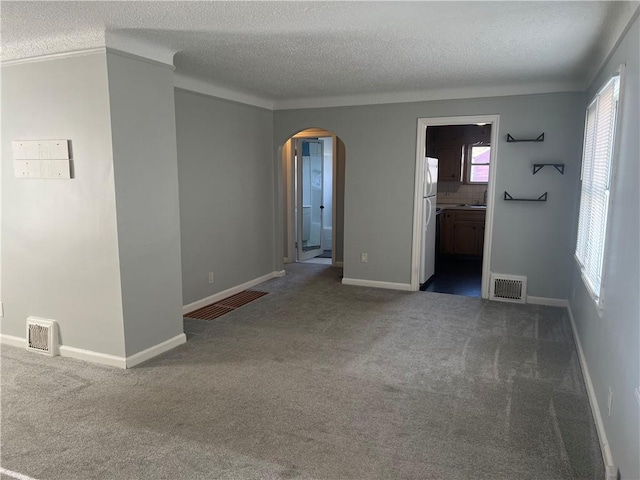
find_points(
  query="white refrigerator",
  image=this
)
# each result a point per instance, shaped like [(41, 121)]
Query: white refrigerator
[(428, 255)]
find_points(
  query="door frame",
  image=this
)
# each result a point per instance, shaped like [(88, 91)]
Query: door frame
[(421, 145), (291, 194), (300, 204)]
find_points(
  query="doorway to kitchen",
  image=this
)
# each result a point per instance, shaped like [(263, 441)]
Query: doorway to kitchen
[(313, 170), (454, 237)]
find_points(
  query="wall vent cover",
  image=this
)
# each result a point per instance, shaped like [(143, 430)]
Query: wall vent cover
[(508, 288), (41, 336)]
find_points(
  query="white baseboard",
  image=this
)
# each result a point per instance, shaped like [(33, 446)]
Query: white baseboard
[(93, 357), (216, 297), (550, 302), (13, 341), (105, 358), (593, 401), (376, 284), (12, 474), (156, 350)]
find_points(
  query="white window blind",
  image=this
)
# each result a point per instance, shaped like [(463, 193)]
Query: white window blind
[(596, 182)]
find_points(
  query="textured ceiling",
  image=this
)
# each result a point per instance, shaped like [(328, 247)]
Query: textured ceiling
[(303, 50)]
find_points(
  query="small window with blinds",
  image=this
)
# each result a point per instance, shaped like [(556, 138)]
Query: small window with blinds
[(599, 136)]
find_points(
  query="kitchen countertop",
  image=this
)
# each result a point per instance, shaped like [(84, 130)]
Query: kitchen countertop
[(457, 206)]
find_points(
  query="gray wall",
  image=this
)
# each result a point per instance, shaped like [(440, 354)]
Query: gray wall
[(59, 240), (146, 179), (610, 343), (529, 239), (226, 175)]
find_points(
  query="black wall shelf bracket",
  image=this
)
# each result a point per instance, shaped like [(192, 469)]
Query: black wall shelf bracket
[(540, 138), (558, 166), (541, 198)]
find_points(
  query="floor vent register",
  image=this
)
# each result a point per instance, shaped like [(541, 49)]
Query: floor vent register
[(217, 309)]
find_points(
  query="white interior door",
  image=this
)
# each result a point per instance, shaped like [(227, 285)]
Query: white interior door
[(310, 188)]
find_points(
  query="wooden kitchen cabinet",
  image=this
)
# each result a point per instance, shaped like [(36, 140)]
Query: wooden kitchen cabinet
[(462, 232), (449, 162), (449, 134), (477, 134), (446, 227), (447, 144), (465, 238)]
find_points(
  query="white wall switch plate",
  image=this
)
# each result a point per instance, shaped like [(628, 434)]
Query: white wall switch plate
[(21, 169), (59, 149), (54, 169), (59, 169), (32, 150), (43, 150), (35, 169), (40, 149), (19, 150), (27, 169), (45, 168), (364, 258)]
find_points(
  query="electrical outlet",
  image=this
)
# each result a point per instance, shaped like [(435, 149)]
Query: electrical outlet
[(364, 258), (210, 277), (610, 401)]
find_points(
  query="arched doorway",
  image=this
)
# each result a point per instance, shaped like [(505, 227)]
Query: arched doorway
[(313, 162)]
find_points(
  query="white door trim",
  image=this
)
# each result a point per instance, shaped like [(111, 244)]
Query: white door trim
[(421, 143), (290, 216), (334, 208)]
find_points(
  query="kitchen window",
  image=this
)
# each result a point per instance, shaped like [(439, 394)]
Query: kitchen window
[(597, 159), (478, 158)]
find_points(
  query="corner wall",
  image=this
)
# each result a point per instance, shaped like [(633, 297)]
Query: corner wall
[(611, 342), (146, 182), (225, 170), (59, 240)]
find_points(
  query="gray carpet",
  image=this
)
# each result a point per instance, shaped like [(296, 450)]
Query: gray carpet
[(317, 380)]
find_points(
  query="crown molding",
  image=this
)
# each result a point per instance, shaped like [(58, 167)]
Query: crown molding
[(118, 42), (191, 84), (431, 95), (54, 56), (204, 87), (82, 53), (133, 56)]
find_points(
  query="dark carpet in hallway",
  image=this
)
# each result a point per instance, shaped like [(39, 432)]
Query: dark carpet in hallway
[(317, 380)]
